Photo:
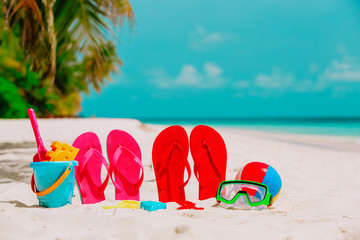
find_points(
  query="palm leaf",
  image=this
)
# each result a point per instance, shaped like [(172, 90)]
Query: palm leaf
[(117, 10), (28, 4), (99, 63), (88, 28)]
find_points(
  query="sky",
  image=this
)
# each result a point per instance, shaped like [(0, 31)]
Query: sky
[(235, 59)]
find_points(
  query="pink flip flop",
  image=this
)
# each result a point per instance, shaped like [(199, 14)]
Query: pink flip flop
[(125, 164), (88, 173)]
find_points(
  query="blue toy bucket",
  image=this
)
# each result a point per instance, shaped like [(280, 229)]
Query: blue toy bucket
[(53, 182)]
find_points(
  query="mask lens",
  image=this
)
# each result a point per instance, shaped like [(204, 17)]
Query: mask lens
[(255, 193)]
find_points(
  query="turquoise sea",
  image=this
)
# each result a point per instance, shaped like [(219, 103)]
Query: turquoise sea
[(329, 126)]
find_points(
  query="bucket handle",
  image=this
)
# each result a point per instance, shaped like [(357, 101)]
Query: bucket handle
[(52, 187)]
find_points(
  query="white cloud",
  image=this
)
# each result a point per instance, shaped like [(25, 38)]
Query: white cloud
[(335, 77), (160, 78), (276, 80), (347, 70), (203, 40), (215, 38), (265, 85), (189, 76), (212, 70), (273, 84), (304, 85)]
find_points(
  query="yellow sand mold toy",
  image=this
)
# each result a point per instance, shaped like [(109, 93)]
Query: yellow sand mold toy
[(131, 204), (61, 152)]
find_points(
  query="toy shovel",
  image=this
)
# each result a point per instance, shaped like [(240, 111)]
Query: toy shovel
[(41, 150)]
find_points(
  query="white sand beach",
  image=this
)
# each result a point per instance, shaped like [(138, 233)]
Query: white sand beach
[(320, 196)]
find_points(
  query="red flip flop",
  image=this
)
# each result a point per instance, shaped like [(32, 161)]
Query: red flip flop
[(169, 156), (208, 151)]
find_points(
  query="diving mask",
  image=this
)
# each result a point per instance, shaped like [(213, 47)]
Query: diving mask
[(243, 194)]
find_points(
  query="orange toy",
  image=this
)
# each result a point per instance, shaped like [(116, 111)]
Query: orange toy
[(62, 152)]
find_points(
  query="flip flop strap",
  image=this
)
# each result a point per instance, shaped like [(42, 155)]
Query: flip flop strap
[(87, 156), (116, 157), (168, 152), (197, 166)]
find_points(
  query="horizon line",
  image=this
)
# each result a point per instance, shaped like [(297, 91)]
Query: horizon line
[(258, 119)]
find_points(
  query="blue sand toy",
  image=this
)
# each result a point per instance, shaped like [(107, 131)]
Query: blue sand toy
[(152, 206)]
